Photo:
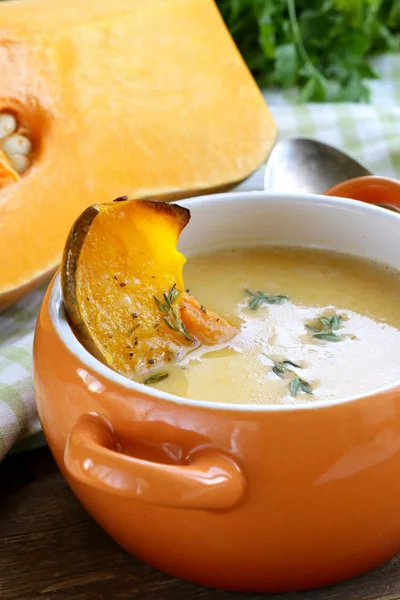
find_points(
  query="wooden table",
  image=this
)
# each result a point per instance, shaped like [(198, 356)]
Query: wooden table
[(50, 549)]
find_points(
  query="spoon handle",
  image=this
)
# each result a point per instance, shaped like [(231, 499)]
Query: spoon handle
[(382, 191)]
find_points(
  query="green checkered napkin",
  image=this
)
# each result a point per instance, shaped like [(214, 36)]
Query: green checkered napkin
[(370, 132)]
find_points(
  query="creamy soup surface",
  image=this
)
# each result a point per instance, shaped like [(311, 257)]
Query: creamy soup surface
[(358, 351)]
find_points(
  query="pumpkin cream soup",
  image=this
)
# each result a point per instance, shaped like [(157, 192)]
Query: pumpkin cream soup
[(314, 325)]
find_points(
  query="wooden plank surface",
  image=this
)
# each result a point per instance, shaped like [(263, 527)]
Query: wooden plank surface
[(50, 549)]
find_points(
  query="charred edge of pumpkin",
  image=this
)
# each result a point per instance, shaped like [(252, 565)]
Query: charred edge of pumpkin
[(69, 267), (181, 213)]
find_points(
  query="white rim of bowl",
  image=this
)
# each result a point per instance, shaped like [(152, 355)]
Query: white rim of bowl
[(68, 338)]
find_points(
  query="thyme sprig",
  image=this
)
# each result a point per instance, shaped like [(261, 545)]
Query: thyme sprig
[(328, 326), (175, 323), (169, 298), (259, 297), (171, 318), (296, 384)]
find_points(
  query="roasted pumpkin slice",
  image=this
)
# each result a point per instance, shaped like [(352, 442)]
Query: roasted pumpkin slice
[(122, 280)]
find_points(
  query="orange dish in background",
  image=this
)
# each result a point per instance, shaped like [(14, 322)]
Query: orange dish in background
[(372, 189)]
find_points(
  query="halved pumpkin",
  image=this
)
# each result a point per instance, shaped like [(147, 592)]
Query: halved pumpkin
[(145, 97), (122, 281)]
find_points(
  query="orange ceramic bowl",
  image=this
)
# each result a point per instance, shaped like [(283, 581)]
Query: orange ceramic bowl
[(256, 498), (370, 188)]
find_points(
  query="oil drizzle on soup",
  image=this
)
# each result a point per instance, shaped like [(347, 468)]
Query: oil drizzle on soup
[(318, 284)]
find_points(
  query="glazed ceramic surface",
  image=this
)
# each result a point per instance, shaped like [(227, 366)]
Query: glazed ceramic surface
[(257, 498), (372, 189)]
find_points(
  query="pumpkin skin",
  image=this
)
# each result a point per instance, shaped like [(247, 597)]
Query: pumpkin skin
[(125, 97), (119, 266)]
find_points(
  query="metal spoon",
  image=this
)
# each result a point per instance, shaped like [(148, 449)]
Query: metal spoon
[(305, 165)]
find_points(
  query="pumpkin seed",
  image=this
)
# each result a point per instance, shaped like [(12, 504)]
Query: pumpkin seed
[(8, 124), (17, 144), (19, 162)]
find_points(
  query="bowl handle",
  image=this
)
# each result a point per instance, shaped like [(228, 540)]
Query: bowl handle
[(382, 191), (211, 480)]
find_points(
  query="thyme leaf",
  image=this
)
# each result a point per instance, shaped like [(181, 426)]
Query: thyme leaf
[(168, 298), (259, 297), (328, 337), (305, 387), (294, 386), (155, 378), (326, 331), (296, 383), (170, 317)]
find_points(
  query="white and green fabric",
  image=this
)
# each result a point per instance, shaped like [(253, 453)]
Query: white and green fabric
[(370, 132)]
